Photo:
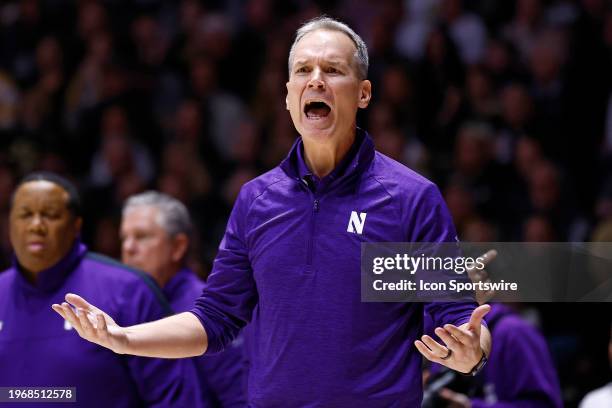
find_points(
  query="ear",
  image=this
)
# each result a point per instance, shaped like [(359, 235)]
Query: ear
[(287, 96), (180, 245), (365, 93)]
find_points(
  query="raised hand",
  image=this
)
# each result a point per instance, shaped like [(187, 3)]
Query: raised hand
[(92, 324), (463, 346)]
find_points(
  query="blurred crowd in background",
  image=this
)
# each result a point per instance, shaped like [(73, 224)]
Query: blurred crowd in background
[(506, 105)]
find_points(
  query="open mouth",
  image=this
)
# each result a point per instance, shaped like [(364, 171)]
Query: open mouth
[(316, 110)]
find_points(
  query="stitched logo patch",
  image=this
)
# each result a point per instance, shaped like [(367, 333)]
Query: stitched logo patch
[(356, 222)]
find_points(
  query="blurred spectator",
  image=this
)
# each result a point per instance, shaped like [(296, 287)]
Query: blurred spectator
[(85, 88), (119, 154), (414, 28), (466, 30), (460, 204), (479, 230), (407, 150), (225, 111), (480, 94), (524, 26), (9, 100), (538, 228), (517, 112)]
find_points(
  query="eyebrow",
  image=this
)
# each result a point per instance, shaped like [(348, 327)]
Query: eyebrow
[(332, 61), (45, 207)]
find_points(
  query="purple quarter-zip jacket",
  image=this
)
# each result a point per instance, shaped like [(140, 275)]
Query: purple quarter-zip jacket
[(38, 349), (222, 376), (288, 250)]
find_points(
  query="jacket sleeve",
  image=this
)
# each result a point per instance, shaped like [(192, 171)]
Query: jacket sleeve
[(159, 382), (430, 222), (230, 294)]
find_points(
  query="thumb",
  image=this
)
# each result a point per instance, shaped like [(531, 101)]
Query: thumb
[(476, 318), (489, 256)]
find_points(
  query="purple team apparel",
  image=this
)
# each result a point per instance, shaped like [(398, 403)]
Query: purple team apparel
[(39, 350), (520, 370), (222, 376), (288, 250)]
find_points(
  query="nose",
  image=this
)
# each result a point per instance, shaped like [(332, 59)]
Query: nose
[(37, 225), (128, 246), (316, 80)]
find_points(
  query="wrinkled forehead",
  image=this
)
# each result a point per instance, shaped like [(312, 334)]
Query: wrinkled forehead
[(330, 45)]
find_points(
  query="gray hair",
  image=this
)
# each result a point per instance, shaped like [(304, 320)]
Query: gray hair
[(173, 216), (328, 23)]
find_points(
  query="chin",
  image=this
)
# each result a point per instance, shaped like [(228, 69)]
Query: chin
[(317, 135)]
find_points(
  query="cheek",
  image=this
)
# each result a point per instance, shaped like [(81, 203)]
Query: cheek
[(14, 228), (293, 99), (153, 252), (64, 233), (349, 94)]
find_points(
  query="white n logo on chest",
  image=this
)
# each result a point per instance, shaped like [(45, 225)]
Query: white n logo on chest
[(1, 323), (356, 222)]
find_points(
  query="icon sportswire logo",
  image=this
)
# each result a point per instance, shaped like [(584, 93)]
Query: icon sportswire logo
[(356, 222)]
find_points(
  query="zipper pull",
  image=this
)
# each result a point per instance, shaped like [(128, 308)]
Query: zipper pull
[(316, 205)]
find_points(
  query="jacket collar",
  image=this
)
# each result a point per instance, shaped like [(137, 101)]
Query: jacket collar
[(49, 280), (357, 159)]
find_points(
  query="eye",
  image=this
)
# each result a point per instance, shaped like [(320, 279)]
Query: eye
[(25, 214), (332, 70), (302, 70), (51, 215)]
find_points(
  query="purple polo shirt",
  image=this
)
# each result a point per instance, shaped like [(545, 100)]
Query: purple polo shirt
[(37, 348), (287, 250), (222, 375)]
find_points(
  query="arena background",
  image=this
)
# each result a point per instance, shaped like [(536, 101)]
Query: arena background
[(507, 106)]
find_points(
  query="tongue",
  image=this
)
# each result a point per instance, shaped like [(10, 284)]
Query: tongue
[(317, 111)]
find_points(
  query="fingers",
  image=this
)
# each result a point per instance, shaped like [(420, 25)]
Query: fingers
[(101, 326), (460, 336), (437, 349), (427, 353), (86, 325), (476, 319), (80, 303), (59, 310), (448, 339), (69, 315)]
